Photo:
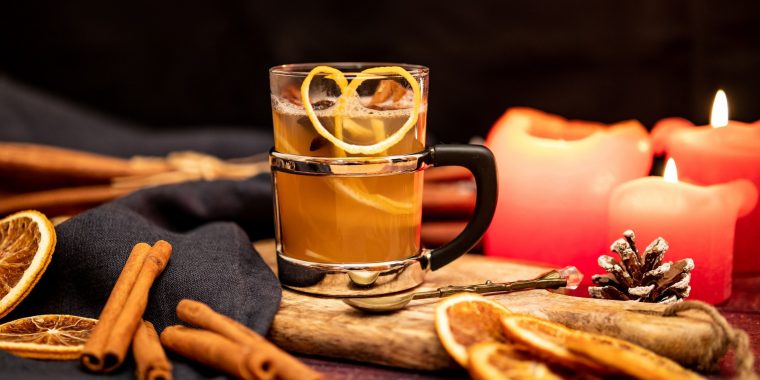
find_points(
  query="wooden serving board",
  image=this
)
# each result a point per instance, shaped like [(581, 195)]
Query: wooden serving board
[(328, 327)]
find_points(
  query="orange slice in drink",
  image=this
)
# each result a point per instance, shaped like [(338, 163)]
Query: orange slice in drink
[(354, 189), (51, 337), (466, 319), (27, 240), (498, 361)]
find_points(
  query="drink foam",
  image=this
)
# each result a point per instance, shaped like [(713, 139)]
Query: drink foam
[(355, 108)]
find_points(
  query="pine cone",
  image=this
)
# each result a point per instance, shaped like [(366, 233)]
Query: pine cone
[(643, 279)]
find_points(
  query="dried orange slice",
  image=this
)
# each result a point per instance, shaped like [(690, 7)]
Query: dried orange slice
[(626, 357), (27, 240), (547, 340), (496, 361), (465, 319), (52, 337)]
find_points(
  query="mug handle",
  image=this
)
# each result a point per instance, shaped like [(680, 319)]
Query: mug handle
[(481, 163)]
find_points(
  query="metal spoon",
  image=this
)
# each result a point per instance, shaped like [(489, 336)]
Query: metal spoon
[(568, 277)]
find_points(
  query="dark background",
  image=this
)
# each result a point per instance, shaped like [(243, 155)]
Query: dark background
[(172, 64)]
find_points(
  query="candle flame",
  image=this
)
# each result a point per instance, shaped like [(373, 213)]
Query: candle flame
[(719, 114), (671, 172)]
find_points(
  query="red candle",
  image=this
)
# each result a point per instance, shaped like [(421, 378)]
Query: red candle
[(555, 178), (697, 222), (729, 150)]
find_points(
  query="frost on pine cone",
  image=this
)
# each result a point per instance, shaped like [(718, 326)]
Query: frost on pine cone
[(641, 278)]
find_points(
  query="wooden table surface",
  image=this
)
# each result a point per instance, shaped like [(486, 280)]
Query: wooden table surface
[(742, 310)]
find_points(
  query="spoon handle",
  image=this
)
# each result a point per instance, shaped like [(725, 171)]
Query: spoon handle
[(495, 287)]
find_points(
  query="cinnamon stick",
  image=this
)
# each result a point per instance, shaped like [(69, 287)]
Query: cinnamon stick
[(265, 357), (50, 160), (444, 200), (150, 357), (126, 325), (124, 309), (64, 200), (63, 181), (437, 233), (92, 354), (447, 174), (209, 349)]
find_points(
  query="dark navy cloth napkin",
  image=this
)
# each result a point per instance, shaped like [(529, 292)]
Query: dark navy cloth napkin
[(209, 224)]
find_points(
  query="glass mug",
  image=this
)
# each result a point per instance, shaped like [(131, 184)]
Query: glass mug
[(347, 168)]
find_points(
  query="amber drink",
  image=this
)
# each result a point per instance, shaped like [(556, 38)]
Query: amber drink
[(355, 218)]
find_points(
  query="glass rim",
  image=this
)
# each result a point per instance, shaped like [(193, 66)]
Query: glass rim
[(350, 69)]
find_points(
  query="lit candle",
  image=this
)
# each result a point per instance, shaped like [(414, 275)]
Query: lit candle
[(697, 222), (555, 178), (729, 150)]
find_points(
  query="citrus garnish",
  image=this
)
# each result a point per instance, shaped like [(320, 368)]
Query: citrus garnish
[(355, 189), (27, 240), (348, 89), (547, 340), (52, 337), (466, 319), (378, 128), (492, 361), (359, 193), (626, 358)]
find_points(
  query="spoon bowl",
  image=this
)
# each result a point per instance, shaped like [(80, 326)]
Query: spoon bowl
[(383, 304)]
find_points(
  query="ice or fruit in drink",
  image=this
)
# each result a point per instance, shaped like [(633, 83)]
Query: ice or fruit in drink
[(332, 219)]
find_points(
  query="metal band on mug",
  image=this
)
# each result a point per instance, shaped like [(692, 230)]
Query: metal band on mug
[(350, 166), (353, 280), (362, 279)]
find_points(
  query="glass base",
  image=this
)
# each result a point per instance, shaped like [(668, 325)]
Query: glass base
[(353, 280)]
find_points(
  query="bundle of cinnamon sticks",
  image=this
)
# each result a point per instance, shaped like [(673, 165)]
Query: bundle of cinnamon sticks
[(229, 346), (60, 181), (120, 323), (218, 342)]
